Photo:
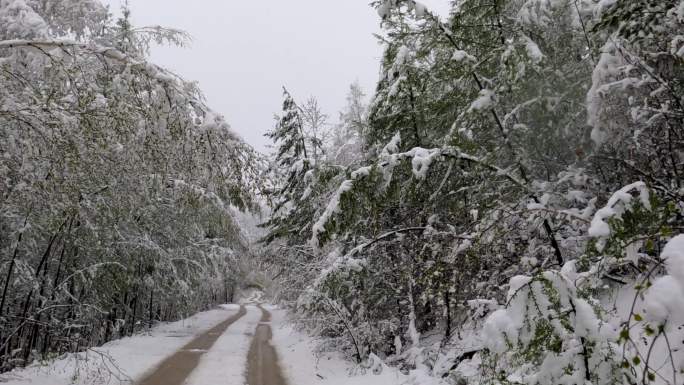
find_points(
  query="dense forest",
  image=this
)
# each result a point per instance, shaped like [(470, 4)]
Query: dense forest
[(506, 207), (118, 185)]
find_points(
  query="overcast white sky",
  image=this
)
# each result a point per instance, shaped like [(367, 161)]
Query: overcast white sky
[(244, 51)]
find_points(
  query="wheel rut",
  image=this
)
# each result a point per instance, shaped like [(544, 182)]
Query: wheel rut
[(262, 360)]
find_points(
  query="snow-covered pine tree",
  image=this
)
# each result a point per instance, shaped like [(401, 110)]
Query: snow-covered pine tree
[(291, 164)]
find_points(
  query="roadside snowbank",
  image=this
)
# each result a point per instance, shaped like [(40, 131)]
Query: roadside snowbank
[(302, 366), (121, 361)]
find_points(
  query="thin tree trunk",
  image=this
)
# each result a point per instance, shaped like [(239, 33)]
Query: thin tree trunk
[(151, 310), (11, 268), (447, 303), (133, 316)]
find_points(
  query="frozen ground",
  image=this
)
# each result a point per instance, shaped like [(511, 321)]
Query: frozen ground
[(303, 367), (122, 361), (129, 360), (225, 362)]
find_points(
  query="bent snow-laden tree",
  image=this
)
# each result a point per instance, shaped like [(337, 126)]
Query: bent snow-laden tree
[(117, 183), (519, 200)]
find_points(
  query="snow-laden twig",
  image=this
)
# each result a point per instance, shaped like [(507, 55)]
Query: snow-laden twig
[(617, 204)]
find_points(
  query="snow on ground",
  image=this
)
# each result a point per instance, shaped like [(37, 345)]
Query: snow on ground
[(250, 296), (301, 365), (226, 361), (127, 360), (121, 361)]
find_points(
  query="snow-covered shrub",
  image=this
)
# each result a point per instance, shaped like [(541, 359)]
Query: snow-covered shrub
[(551, 332), (557, 325)]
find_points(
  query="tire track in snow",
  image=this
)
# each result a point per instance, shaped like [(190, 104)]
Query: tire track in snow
[(175, 369), (225, 363), (262, 360)]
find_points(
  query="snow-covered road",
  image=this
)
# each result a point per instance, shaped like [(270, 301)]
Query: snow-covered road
[(175, 369), (233, 344), (225, 363)]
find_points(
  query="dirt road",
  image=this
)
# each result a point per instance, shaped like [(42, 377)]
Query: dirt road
[(175, 369), (262, 360)]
